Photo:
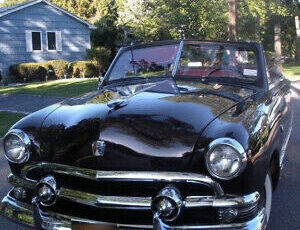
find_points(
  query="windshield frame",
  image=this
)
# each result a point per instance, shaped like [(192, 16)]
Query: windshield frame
[(259, 81), (122, 50)]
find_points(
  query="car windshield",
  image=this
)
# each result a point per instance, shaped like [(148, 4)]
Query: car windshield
[(199, 60), (154, 61), (210, 60)]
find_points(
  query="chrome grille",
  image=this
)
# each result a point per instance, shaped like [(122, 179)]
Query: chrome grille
[(108, 192)]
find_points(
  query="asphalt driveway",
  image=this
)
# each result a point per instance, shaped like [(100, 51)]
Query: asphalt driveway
[(286, 200), (23, 103)]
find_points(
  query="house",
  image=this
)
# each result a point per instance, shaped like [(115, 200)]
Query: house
[(38, 31)]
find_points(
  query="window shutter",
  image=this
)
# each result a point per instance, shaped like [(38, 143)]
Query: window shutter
[(58, 41), (28, 35)]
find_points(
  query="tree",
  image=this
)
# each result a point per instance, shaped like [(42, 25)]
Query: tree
[(297, 27), (107, 35), (232, 20), (256, 21), (280, 11), (175, 19), (150, 20), (11, 2)]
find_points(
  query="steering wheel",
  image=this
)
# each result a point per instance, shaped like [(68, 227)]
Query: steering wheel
[(224, 68)]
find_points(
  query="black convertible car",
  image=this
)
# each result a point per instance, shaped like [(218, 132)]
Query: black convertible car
[(180, 135)]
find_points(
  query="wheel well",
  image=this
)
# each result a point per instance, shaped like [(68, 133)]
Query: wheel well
[(275, 168)]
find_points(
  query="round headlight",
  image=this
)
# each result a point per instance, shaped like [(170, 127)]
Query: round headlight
[(16, 146), (226, 158)]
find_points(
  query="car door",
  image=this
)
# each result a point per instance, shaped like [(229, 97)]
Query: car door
[(280, 112)]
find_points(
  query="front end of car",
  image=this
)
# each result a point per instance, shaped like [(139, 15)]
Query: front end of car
[(157, 147), (58, 196)]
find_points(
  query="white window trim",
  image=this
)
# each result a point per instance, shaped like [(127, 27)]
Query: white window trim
[(59, 42), (51, 31), (56, 40), (41, 36)]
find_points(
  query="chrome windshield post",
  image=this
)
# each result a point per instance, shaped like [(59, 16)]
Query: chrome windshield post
[(177, 59), (110, 67)]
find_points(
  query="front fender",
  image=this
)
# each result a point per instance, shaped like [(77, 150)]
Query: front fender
[(250, 129)]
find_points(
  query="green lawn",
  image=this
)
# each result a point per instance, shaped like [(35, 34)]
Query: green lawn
[(291, 71), (7, 120), (60, 88)]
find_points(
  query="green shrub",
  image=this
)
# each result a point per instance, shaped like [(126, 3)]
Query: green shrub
[(101, 55), (52, 70), (39, 71), (14, 70), (56, 68), (28, 72), (86, 69)]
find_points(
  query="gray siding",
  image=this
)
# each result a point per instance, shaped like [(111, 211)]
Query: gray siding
[(41, 17)]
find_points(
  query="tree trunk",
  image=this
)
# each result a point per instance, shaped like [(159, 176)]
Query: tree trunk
[(297, 23), (277, 43), (232, 20)]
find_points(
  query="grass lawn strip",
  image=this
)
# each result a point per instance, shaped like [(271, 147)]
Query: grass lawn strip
[(291, 71), (7, 119), (59, 88)]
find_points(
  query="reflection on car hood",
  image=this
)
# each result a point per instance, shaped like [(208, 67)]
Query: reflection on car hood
[(159, 122)]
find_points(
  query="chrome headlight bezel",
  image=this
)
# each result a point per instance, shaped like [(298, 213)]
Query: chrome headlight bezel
[(236, 146), (24, 138)]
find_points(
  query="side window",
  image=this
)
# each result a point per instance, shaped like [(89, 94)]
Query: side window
[(36, 41), (274, 75), (51, 40), (54, 41), (33, 41)]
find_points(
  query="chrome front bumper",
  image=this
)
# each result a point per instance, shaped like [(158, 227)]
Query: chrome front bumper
[(32, 215), (29, 215)]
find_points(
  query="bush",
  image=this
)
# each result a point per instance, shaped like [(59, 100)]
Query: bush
[(86, 69), (28, 72), (56, 68), (101, 55)]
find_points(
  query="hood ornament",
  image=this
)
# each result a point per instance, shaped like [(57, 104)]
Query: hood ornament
[(98, 148)]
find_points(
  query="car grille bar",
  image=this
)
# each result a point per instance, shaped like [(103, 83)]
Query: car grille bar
[(138, 176), (143, 203)]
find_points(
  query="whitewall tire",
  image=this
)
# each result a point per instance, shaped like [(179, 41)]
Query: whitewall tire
[(268, 195)]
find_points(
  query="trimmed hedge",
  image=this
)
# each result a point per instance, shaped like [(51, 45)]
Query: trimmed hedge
[(87, 69), (28, 72), (56, 68), (52, 70)]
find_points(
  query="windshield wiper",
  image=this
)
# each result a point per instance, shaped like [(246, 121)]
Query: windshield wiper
[(224, 69), (223, 94)]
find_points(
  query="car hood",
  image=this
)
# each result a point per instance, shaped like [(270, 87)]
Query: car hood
[(149, 130)]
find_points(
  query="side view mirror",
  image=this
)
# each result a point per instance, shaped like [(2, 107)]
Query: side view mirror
[(275, 73), (100, 79)]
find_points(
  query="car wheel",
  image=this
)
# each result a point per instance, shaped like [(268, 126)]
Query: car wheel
[(268, 192)]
